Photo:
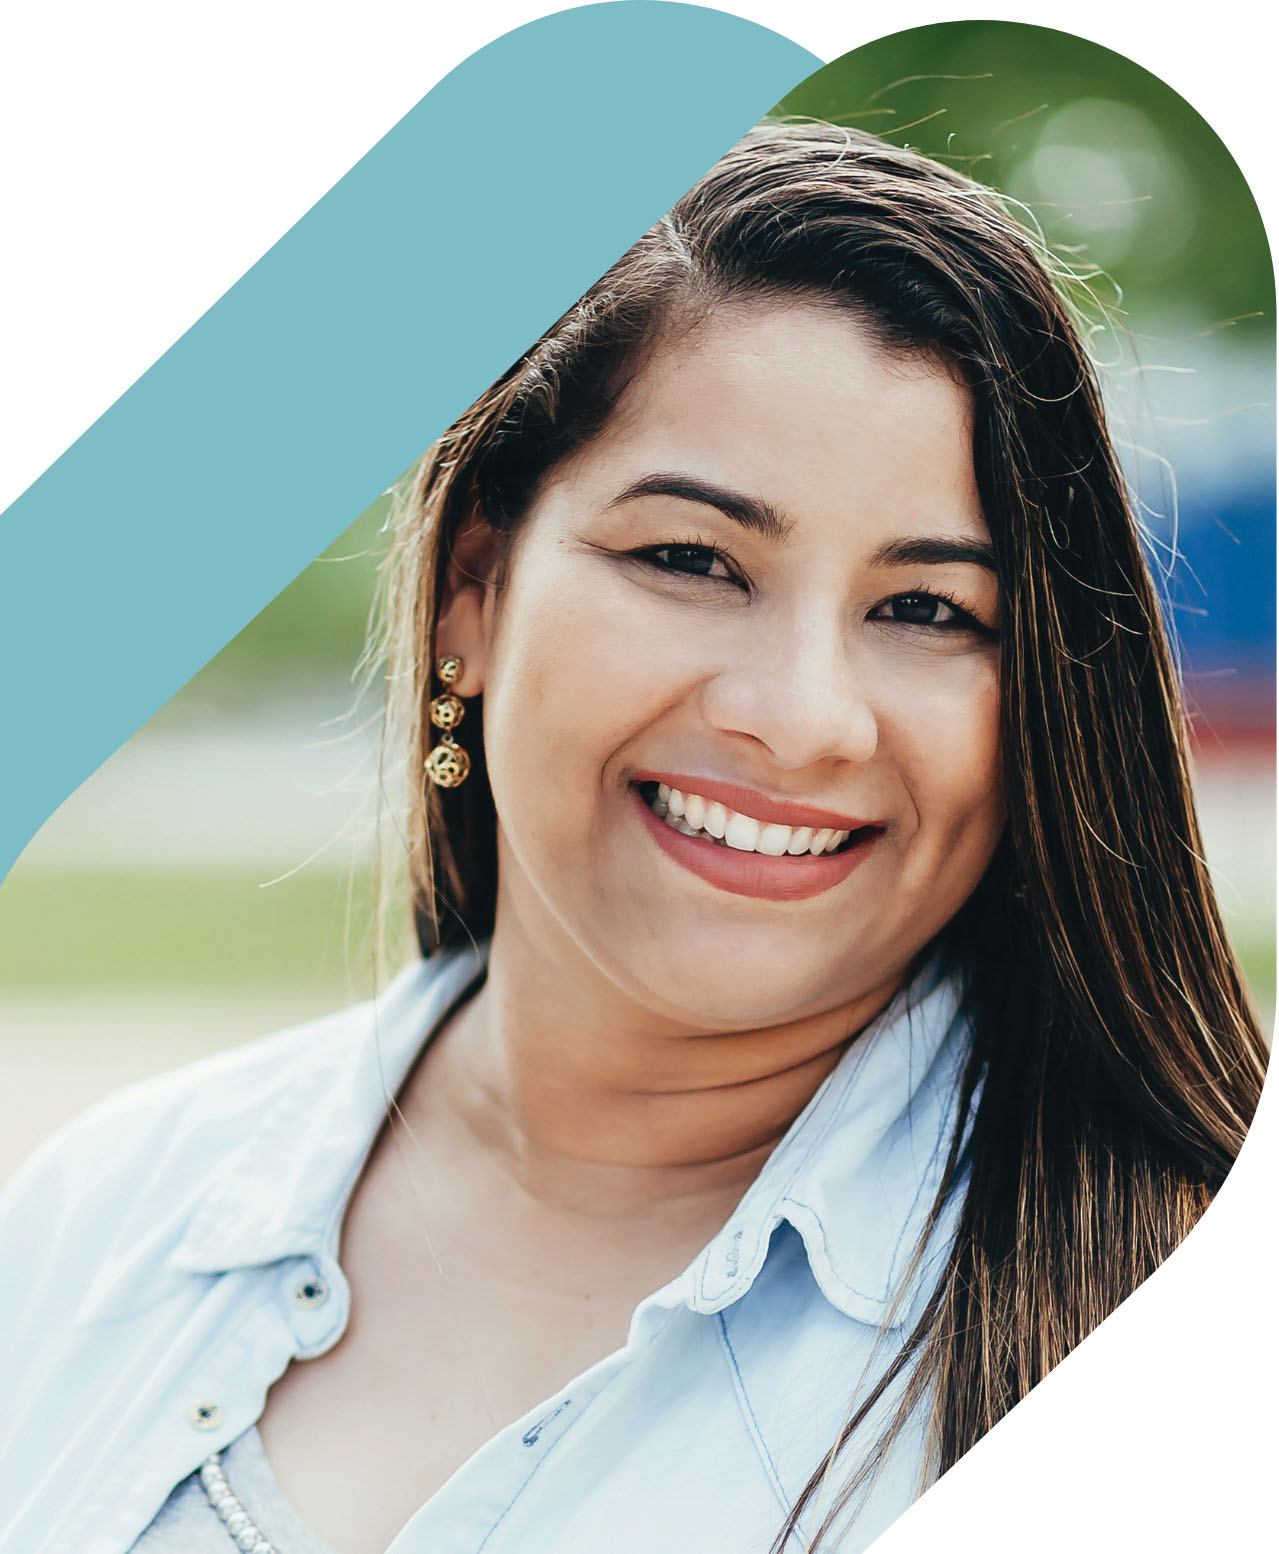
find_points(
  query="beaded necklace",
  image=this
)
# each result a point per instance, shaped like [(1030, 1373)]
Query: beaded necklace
[(241, 1528)]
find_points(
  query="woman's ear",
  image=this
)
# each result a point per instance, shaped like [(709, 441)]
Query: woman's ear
[(468, 594)]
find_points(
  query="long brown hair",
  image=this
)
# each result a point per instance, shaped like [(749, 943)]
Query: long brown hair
[(1117, 1062)]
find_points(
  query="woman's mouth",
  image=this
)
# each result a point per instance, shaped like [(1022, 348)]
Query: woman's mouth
[(693, 815), (745, 854)]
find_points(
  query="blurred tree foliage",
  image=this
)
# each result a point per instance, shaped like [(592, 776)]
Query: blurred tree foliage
[(1103, 152)]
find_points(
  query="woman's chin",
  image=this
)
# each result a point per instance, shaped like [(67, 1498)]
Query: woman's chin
[(735, 981)]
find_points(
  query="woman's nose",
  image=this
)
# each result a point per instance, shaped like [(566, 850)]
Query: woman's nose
[(800, 692)]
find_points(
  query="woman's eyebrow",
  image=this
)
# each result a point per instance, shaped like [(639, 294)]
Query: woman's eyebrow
[(935, 550), (752, 512)]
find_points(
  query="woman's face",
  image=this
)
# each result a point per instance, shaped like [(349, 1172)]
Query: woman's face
[(768, 586)]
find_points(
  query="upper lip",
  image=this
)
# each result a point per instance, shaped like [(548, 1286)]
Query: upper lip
[(749, 801)]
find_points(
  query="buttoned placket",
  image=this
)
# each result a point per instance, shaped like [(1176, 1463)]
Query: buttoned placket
[(301, 1310)]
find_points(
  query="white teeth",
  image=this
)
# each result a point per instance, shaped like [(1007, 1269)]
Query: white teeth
[(692, 815), (741, 832), (773, 841)]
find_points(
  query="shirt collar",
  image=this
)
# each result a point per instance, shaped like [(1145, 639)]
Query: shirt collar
[(856, 1174)]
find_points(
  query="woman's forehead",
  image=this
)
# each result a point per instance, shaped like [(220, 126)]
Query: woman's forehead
[(799, 407)]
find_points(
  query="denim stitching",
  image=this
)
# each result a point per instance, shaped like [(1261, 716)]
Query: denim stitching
[(752, 1424), (538, 1465), (537, 1468)]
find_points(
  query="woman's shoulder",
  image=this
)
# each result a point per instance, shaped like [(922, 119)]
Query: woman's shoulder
[(137, 1164), (142, 1158), (135, 1130)]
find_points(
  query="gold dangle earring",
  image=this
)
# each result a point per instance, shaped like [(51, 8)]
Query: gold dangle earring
[(448, 764)]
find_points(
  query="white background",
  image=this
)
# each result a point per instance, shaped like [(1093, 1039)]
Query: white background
[(150, 152)]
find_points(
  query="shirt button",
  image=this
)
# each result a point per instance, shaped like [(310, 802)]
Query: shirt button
[(312, 1291), (205, 1415)]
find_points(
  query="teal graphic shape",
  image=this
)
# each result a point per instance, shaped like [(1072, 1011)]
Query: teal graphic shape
[(333, 362)]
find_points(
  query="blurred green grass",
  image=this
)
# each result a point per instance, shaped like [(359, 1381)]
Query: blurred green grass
[(1256, 951), (75, 931)]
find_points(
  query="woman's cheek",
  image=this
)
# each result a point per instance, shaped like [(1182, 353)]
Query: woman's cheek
[(578, 682), (943, 691), (941, 730), (635, 648)]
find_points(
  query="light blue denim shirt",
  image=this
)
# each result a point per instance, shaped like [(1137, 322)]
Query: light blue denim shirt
[(169, 1253)]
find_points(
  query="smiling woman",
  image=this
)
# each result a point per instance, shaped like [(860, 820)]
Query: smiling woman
[(824, 1017), (756, 586)]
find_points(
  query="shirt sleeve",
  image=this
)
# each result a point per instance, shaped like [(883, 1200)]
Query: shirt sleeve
[(61, 1216)]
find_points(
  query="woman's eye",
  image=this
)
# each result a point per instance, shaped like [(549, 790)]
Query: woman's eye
[(691, 560), (922, 609)]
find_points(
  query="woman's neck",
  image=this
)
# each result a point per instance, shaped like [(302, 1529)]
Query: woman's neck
[(583, 1094)]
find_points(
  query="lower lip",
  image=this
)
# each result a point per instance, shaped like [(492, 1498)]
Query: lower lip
[(753, 874)]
